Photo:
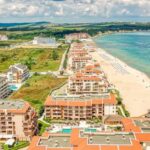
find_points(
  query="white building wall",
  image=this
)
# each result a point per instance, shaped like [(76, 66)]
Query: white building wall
[(109, 109)]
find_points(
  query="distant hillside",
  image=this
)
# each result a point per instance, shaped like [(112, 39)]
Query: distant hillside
[(27, 31), (22, 24)]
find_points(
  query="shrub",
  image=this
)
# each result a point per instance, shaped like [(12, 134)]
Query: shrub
[(55, 55)]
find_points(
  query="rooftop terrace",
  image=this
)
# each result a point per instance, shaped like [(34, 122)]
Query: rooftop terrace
[(8, 104), (145, 125), (109, 139), (56, 141), (61, 94), (80, 97)]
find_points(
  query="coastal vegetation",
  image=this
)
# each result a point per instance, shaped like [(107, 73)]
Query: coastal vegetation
[(18, 145), (95, 120), (29, 31), (42, 127), (37, 59), (120, 103), (36, 89)]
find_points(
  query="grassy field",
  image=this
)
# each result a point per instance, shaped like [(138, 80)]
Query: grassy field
[(37, 88), (42, 57), (11, 42)]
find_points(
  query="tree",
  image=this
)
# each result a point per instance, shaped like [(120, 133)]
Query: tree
[(55, 55), (29, 62)]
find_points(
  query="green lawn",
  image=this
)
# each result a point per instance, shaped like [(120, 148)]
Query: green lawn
[(43, 60), (37, 88), (17, 146)]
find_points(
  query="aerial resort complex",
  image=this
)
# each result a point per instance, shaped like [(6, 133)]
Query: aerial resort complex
[(74, 74), (60, 91), (87, 108), (83, 113)]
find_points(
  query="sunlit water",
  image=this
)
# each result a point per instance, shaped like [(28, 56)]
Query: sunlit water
[(133, 48)]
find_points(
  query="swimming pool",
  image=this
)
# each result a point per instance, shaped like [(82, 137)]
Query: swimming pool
[(67, 131), (12, 88), (90, 130)]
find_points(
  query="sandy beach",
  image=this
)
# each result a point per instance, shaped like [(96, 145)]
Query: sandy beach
[(134, 86)]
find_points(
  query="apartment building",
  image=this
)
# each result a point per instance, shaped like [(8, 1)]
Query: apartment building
[(4, 91), (80, 107), (3, 37), (17, 73), (77, 63), (90, 80), (78, 57), (76, 36), (17, 120), (78, 50), (133, 137)]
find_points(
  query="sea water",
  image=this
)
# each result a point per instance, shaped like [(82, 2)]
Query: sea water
[(133, 48)]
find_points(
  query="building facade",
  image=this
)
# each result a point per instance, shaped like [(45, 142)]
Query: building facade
[(90, 80), (78, 57), (4, 91), (17, 73), (76, 36), (80, 108), (17, 120)]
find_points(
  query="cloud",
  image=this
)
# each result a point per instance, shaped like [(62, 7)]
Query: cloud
[(32, 10), (74, 8)]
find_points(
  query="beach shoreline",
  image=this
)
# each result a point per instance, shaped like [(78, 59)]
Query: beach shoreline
[(133, 85)]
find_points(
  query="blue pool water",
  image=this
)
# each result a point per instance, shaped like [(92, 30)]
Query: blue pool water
[(133, 48), (67, 131), (13, 88), (90, 130)]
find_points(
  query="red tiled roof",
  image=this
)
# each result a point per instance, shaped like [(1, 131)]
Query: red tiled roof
[(129, 125)]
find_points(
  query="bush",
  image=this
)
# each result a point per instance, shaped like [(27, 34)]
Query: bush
[(42, 127), (55, 55), (41, 110), (119, 100), (47, 120), (36, 74), (125, 111), (26, 85), (118, 129)]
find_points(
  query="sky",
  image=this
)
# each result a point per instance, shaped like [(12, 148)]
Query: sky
[(74, 11)]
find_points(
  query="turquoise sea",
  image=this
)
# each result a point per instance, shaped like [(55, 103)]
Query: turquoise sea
[(132, 48)]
